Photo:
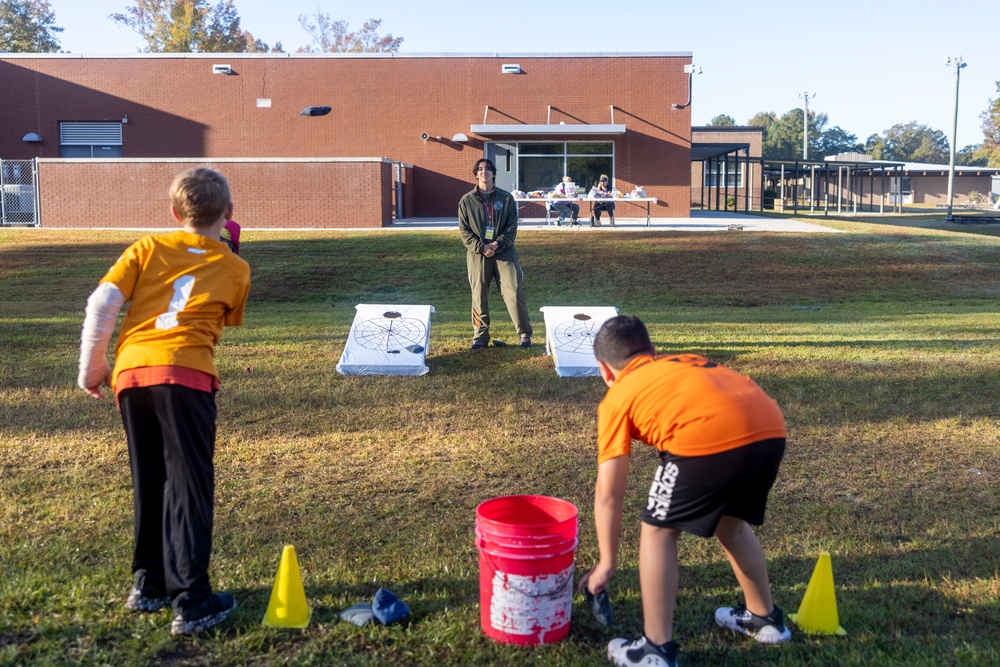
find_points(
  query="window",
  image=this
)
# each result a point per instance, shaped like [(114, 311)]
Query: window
[(732, 169), (78, 139), (543, 165)]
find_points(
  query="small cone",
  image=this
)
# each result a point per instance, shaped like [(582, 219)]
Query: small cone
[(288, 607), (818, 612)]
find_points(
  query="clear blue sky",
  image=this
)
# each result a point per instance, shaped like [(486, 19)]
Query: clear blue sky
[(870, 64)]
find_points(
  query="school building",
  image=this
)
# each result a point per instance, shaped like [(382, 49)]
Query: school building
[(95, 139)]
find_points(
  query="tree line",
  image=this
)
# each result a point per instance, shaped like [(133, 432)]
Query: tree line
[(188, 26), (903, 142)]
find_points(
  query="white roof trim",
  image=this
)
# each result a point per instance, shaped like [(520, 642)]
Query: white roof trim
[(512, 129)]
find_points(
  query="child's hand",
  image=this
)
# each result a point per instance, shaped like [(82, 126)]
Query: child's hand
[(596, 580), (95, 391), (91, 379)]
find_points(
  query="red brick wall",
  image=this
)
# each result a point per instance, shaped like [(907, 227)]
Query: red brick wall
[(177, 107), (267, 194)]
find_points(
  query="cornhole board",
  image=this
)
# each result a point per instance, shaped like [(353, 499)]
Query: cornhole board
[(569, 337), (387, 340)]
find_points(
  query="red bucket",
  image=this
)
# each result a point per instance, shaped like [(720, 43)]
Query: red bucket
[(526, 546)]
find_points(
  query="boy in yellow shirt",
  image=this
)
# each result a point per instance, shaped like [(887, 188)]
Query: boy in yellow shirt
[(721, 440), (184, 287)]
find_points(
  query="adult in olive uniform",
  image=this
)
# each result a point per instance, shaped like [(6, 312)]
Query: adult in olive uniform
[(487, 221)]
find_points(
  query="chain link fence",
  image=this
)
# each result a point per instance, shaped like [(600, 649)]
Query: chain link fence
[(19, 185)]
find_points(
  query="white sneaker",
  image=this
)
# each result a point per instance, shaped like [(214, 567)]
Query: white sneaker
[(765, 629), (638, 651)]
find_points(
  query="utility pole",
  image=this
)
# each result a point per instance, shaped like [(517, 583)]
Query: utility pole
[(805, 124), (957, 63)]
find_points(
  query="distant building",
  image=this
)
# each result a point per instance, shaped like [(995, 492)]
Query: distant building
[(400, 140)]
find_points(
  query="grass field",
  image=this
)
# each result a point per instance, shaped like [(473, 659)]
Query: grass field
[(880, 345)]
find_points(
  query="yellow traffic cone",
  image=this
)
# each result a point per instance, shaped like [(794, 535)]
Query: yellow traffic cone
[(288, 607), (818, 612)]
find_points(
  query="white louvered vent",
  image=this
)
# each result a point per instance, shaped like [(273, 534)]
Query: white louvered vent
[(90, 134)]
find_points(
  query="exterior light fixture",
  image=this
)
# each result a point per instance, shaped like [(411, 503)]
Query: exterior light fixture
[(32, 138), (460, 138)]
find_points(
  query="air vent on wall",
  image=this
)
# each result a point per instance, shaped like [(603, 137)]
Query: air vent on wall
[(510, 68), (222, 69)]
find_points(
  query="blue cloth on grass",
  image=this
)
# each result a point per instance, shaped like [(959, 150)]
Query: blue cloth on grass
[(388, 608)]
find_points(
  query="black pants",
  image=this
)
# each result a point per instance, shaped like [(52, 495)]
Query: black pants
[(171, 440)]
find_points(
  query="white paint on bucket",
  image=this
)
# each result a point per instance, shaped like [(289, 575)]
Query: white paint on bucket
[(531, 605)]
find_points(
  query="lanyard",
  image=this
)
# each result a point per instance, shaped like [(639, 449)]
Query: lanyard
[(488, 203)]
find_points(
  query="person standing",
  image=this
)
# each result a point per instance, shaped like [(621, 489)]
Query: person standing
[(487, 223), (184, 288), (721, 440)]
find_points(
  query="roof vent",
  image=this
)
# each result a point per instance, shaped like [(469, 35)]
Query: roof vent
[(222, 69), (510, 68)]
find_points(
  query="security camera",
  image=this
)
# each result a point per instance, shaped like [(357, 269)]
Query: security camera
[(424, 136)]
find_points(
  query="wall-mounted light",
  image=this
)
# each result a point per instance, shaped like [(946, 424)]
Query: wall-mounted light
[(125, 119), (460, 138), (222, 69), (32, 137), (510, 68), (315, 111)]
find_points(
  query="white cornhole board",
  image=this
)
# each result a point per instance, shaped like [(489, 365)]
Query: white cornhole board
[(387, 340), (569, 337)]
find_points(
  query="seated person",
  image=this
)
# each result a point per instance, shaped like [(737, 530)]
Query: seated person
[(603, 189), (566, 209)]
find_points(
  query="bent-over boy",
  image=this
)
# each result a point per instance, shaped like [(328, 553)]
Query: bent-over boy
[(721, 440)]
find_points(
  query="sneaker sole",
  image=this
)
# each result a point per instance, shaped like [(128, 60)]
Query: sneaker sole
[(181, 627), (144, 604), (769, 635)]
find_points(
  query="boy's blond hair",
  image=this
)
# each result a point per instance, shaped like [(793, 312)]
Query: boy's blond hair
[(200, 196)]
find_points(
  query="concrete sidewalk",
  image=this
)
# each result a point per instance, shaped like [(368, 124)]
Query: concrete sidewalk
[(700, 221)]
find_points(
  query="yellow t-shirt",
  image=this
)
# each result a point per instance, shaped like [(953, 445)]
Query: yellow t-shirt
[(184, 289), (686, 405)]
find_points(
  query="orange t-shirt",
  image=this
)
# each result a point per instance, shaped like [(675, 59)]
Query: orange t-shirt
[(184, 289), (686, 405)]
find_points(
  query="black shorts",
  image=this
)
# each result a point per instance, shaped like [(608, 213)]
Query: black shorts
[(691, 493)]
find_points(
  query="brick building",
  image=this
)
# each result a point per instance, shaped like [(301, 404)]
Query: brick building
[(110, 130)]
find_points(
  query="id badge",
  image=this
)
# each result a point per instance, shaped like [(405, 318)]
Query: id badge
[(490, 231)]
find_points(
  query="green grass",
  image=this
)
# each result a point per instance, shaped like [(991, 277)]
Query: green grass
[(880, 344)]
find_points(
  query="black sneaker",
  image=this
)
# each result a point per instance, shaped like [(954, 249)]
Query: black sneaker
[(214, 610), (139, 601), (765, 629), (640, 651)]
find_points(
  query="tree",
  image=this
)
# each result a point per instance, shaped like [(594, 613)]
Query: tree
[(875, 147), (971, 156), (989, 150), (189, 26), (910, 142), (836, 140), (722, 120), (28, 26), (332, 36)]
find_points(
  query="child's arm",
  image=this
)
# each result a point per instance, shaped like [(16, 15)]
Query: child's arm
[(98, 325), (609, 499)]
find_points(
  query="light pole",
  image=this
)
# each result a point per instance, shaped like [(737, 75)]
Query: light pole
[(805, 124), (958, 64)]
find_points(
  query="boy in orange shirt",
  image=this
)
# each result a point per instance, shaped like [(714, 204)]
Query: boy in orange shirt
[(184, 287), (721, 440)]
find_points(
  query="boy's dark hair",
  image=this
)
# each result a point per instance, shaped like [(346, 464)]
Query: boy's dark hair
[(200, 196), (620, 339), (489, 165)]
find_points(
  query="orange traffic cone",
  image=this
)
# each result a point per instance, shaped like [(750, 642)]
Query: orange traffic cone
[(818, 612), (288, 607)]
